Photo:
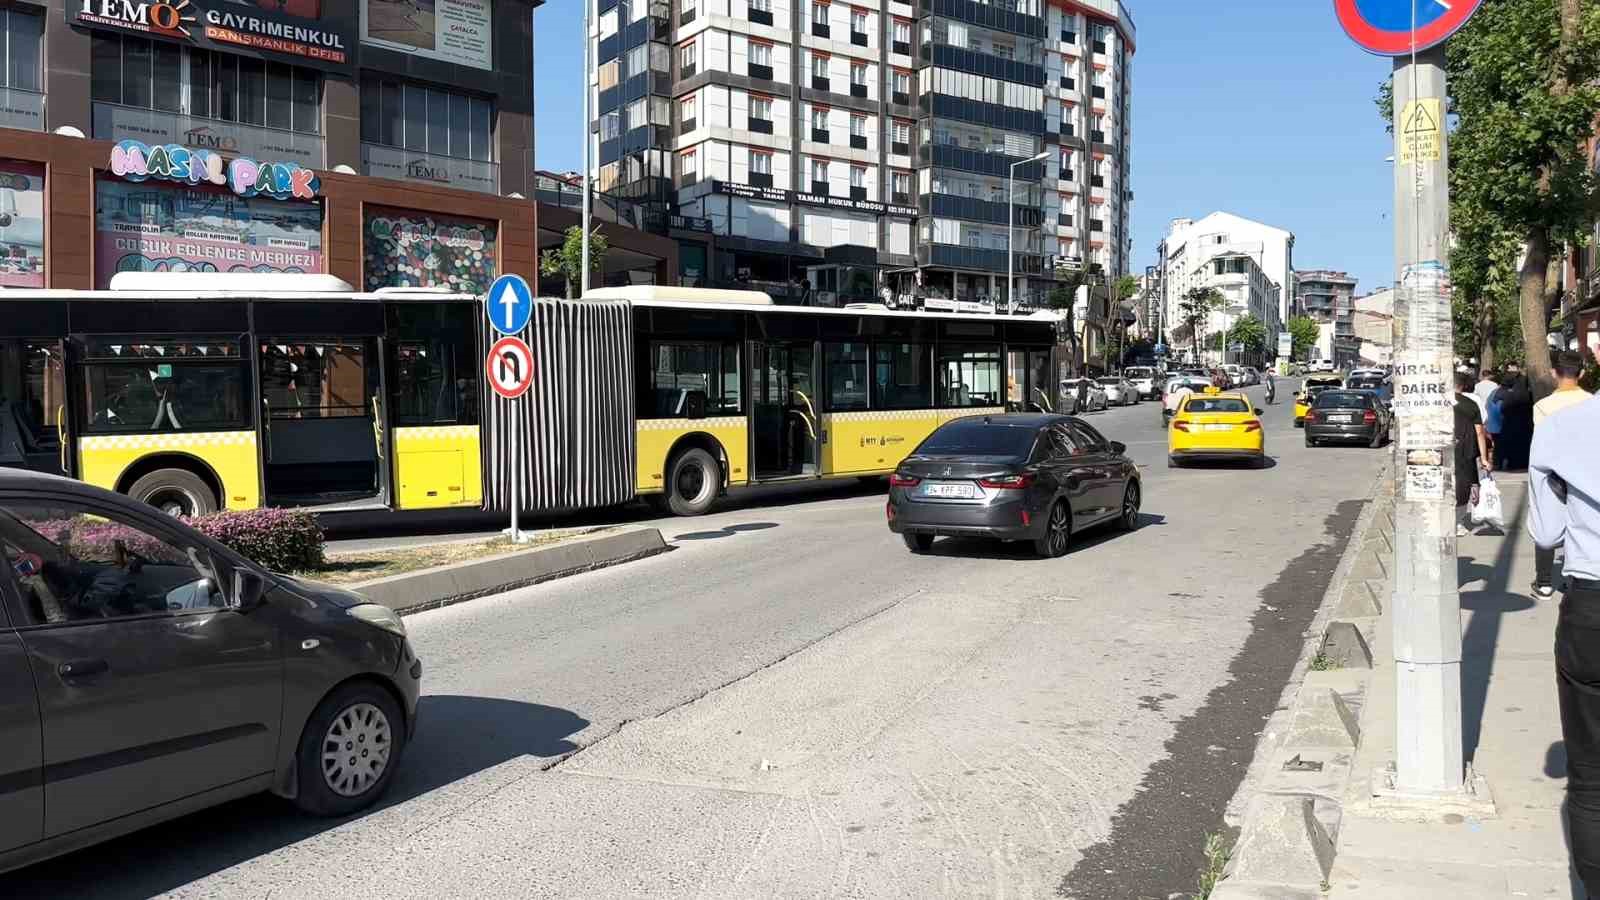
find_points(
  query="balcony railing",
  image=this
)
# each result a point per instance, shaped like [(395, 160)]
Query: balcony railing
[(113, 121), (383, 161)]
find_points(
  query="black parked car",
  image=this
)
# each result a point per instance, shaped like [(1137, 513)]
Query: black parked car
[(1347, 416), (147, 672), (1035, 477)]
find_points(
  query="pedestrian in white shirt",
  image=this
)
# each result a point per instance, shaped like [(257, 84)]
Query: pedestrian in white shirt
[(1568, 366)]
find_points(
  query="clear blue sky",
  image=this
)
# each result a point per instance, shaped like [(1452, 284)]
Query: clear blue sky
[(1259, 108)]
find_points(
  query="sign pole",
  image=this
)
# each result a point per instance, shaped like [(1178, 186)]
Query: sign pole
[(516, 471), (509, 369)]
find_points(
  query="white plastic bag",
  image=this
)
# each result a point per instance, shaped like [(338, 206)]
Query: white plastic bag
[(1487, 511)]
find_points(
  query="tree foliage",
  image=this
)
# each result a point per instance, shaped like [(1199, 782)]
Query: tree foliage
[(1195, 308), (1522, 82), (1303, 333), (567, 262), (1250, 332)]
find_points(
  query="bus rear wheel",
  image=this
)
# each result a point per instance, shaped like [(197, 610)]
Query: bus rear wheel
[(176, 492), (692, 481)]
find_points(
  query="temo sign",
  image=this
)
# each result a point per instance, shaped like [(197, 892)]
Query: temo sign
[(250, 25)]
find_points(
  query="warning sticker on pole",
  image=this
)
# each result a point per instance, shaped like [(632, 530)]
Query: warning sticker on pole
[(1421, 135)]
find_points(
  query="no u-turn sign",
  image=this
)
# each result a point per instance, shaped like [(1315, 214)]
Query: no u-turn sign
[(509, 367)]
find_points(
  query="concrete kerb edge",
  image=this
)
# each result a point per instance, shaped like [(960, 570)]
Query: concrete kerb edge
[(1254, 787), (460, 582)]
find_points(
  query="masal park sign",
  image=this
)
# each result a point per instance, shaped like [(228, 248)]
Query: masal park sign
[(322, 37), (137, 161)]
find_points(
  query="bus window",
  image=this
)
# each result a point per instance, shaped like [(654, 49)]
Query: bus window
[(690, 380), (32, 391), (169, 384), (323, 380), (847, 376), (902, 377), (969, 375), (435, 364)]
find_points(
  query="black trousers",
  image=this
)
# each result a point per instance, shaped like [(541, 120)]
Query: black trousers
[(1578, 690), (1544, 565)]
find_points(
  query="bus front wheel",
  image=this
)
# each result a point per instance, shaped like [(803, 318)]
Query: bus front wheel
[(692, 482), (176, 492)]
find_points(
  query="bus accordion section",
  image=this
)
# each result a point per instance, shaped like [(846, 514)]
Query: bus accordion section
[(574, 428)]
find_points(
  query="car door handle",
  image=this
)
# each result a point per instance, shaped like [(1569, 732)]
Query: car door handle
[(82, 668)]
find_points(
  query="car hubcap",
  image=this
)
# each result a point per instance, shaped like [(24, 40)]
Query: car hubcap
[(1130, 505), (1058, 529), (173, 503), (355, 751)]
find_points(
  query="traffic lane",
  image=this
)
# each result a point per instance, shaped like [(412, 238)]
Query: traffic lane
[(982, 735)]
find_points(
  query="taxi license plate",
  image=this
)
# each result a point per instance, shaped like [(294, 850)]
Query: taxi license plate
[(955, 490), (1217, 427)]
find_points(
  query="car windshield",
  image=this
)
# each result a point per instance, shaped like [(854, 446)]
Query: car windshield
[(1138, 372), (1341, 399), (1215, 405), (979, 438)]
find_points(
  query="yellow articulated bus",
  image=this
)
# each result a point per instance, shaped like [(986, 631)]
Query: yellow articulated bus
[(732, 390), (198, 392)]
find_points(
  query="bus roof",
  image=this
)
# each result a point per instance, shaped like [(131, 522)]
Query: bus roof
[(234, 286), (708, 299), (640, 293)]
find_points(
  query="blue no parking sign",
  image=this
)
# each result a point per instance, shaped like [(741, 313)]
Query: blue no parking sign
[(509, 305), (1397, 27)]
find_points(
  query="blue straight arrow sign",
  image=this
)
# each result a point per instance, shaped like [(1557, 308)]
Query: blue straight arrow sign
[(509, 305)]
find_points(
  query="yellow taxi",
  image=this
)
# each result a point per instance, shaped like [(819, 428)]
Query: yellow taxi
[(1216, 424), (1315, 384)]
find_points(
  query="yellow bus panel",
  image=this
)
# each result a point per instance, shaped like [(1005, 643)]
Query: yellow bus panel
[(656, 437), (438, 466), (230, 454), (873, 442)]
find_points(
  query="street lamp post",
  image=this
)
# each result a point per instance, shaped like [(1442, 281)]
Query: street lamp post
[(1011, 227), (583, 280)]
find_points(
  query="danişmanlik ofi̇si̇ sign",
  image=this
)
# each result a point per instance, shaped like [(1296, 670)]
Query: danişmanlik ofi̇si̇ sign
[(322, 40)]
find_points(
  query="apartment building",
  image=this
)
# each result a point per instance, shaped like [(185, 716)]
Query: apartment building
[(1247, 262), (387, 143), (828, 151), (1372, 318), (1328, 296)]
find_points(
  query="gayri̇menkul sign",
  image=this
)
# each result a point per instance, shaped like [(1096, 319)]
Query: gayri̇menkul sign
[(319, 33), (246, 177)]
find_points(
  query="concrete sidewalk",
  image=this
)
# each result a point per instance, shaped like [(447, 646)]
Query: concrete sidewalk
[(1512, 732)]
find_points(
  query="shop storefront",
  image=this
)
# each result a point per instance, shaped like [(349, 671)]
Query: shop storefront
[(21, 224)]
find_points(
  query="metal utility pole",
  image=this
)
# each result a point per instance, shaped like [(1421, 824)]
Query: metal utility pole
[(1426, 602), (583, 281)]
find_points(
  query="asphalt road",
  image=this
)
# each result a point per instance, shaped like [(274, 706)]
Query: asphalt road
[(790, 704)]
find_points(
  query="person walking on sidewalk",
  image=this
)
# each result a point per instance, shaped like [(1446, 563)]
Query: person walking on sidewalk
[(1568, 366), (1516, 419), (1564, 487), (1471, 453)]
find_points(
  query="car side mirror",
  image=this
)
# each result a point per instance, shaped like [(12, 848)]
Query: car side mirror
[(1260, 411), (249, 589), (1119, 447)]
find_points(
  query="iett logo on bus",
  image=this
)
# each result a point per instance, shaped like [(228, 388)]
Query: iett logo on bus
[(166, 17)]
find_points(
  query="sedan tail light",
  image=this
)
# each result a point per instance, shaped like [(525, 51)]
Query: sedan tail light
[(1007, 482), (1252, 425), (903, 481), (1369, 417), (1311, 415), (1181, 424)]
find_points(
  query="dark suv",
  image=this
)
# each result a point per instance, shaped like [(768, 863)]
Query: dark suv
[(147, 672)]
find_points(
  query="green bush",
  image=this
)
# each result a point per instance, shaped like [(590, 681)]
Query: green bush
[(279, 540)]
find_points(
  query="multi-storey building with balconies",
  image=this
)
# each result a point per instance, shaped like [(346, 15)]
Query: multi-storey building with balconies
[(1248, 262), (1328, 296), (829, 151)]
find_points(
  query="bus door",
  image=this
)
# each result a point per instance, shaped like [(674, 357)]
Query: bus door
[(785, 429), (324, 433), (34, 420)]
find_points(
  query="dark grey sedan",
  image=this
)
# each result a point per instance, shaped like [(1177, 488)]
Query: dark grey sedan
[(1025, 477), (147, 672), (1345, 416)]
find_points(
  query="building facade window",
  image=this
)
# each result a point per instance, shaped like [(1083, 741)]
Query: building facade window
[(819, 14), (902, 184), (760, 54), (20, 49), (761, 5), (902, 83), (686, 58), (819, 119), (761, 108), (688, 167), (858, 74), (858, 126), (858, 21), (760, 163), (426, 119), (819, 66), (162, 77), (686, 110), (819, 171)]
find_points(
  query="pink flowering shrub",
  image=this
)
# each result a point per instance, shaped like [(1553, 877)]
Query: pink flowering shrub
[(279, 540)]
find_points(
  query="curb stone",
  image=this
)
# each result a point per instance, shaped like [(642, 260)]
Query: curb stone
[(1287, 809), (425, 589)]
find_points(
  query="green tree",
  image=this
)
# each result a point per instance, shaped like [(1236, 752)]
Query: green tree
[(1303, 333), (1126, 288), (1522, 81), (1194, 309), (567, 262), (1250, 332), (1061, 298)]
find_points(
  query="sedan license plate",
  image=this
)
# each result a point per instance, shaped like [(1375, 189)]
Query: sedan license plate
[(958, 490), (1341, 418)]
